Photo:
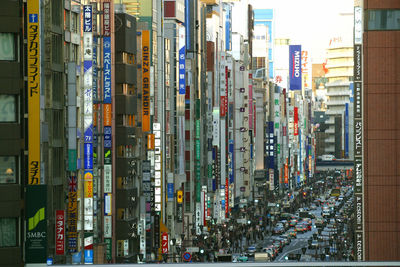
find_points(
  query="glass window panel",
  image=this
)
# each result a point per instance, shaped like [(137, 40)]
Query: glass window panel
[(7, 46), (8, 170), (383, 19), (7, 108), (8, 232)]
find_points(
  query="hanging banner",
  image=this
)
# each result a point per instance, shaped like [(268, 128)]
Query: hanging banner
[(295, 67), (33, 72), (36, 224), (182, 64), (60, 232), (164, 243), (145, 81)]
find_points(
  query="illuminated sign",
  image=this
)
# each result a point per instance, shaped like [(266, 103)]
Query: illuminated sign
[(295, 67), (145, 81)]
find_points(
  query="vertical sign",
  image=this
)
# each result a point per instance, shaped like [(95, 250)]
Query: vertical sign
[(358, 135), (250, 101), (295, 67), (157, 167), (182, 63), (60, 232), (296, 121), (305, 70), (346, 131), (145, 81), (33, 51), (36, 224), (72, 214), (164, 243)]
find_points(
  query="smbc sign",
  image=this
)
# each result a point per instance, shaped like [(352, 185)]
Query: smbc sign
[(36, 224)]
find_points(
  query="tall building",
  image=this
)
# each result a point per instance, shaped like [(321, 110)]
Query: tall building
[(13, 163), (340, 74), (376, 98)]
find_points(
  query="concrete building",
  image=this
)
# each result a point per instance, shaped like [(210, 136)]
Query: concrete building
[(377, 45), (340, 74)]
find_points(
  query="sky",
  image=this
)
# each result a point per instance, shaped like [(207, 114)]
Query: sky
[(311, 23)]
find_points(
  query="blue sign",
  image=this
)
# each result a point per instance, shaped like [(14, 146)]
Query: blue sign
[(107, 69), (94, 69), (88, 256), (295, 67), (107, 136), (182, 79), (228, 29), (231, 155), (76, 258), (187, 22), (187, 256), (87, 18), (170, 191), (33, 18), (88, 156)]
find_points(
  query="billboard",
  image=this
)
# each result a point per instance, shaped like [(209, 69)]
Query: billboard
[(33, 32), (295, 67), (36, 224), (145, 81)]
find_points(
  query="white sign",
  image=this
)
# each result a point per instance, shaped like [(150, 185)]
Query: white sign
[(107, 226), (107, 178), (107, 204), (215, 141), (198, 218), (358, 25)]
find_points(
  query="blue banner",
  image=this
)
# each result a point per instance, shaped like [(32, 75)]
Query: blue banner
[(107, 69), (87, 18), (170, 191), (88, 256), (88, 156), (94, 68), (107, 136), (182, 64), (295, 67)]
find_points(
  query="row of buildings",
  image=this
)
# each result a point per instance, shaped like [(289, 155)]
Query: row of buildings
[(132, 126)]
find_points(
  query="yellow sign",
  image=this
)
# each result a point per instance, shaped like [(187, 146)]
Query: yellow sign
[(145, 81), (179, 196), (150, 142), (88, 185), (33, 50)]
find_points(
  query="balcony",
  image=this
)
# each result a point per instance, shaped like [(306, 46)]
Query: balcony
[(125, 135), (126, 104)]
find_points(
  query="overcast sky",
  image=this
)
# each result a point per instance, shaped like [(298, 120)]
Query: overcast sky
[(311, 23)]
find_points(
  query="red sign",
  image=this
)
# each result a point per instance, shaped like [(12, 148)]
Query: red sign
[(286, 172), (222, 108), (60, 230), (226, 197), (164, 243), (296, 121)]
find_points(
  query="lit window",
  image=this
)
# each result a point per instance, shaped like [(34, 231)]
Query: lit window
[(8, 232), (8, 108), (7, 46), (8, 170)]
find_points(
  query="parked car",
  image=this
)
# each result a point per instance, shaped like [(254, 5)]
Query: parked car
[(278, 230)]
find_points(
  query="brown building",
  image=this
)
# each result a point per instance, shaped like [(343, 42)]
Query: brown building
[(381, 117)]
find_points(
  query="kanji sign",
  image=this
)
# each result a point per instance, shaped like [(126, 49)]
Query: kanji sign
[(60, 229), (164, 243)]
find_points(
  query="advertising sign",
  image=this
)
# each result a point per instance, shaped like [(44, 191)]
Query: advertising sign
[(215, 141), (33, 52), (106, 19), (145, 81), (60, 232), (346, 130), (108, 226), (164, 243), (358, 63), (36, 224), (358, 25), (295, 67), (182, 54), (358, 137), (296, 121), (72, 215)]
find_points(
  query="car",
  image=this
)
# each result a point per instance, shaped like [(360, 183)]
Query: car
[(278, 230), (293, 222), (313, 207), (292, 233), (314, 244), (251, 250), (299, 228)]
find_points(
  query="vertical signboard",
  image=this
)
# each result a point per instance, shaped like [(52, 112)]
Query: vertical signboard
[(33, 51), (296, 121), (145, 81), (182, 63), (72, 214), (36, 224), (60, 232), (306, 70), (164, 243), (346, 131), (358, 135), (251, 101), (295, 67)]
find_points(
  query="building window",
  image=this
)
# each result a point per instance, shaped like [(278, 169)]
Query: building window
[(8, 232), (8, 170), (7, 46), (8, 109), (383, 19)]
